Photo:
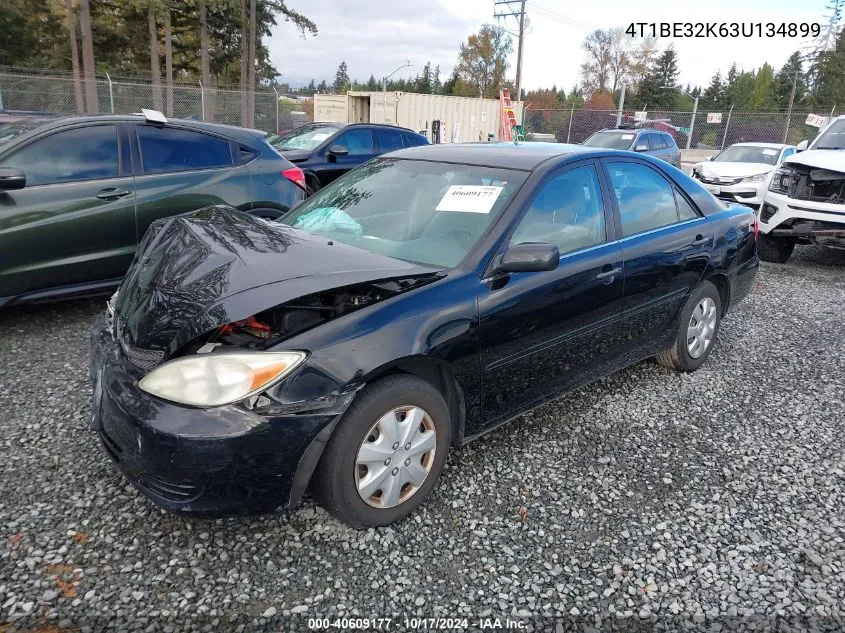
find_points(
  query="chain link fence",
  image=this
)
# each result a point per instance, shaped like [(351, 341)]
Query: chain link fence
[(52, 93), (572, 125)]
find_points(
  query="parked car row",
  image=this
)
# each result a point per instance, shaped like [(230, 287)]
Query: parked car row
[(78, 193), (315, 325)]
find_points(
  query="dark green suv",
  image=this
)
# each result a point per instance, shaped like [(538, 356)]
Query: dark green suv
[(78, 193)]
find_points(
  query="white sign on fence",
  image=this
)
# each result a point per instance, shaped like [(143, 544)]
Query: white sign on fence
[(816, 121), (640, 116), (714, 117)]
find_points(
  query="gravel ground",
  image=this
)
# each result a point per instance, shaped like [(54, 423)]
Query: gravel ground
[(705, 500)]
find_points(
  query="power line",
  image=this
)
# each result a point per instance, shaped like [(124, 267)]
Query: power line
[(508, 11)]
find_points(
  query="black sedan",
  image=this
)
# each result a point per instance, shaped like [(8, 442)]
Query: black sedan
[(326, 151), (415, 304)]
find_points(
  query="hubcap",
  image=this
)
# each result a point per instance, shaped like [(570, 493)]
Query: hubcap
[(395, 457), (702, 325)]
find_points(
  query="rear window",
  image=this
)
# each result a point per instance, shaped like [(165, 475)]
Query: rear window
[(670, 142), (166, 149), (611, 139)]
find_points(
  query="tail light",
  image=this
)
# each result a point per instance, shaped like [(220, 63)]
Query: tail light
[(756, 228), (295, 175)]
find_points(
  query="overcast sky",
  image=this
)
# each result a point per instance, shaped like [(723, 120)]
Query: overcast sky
[(377, 36)]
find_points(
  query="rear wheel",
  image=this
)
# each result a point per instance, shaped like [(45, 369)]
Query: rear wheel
[(386, 454), (774, 249), (699, 326)]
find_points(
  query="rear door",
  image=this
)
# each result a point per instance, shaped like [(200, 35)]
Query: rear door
[(180, 170), (666, 245), (74, 222)]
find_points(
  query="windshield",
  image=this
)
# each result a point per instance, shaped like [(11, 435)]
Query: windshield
[(748, 154), (8, 131), (611, 140), (833, 137), (419, 211), (307, 137)]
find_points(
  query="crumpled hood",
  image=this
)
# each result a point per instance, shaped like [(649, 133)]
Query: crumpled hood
[(195, 272), (832, 159), (718, 169)]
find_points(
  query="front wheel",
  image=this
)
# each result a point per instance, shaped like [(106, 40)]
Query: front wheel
[(699, 326), (386, 454), (774, 249)]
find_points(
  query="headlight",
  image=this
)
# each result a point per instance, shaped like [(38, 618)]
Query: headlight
[(212, 380), (781, 180), (756, 178)]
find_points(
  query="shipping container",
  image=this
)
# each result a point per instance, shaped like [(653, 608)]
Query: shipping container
[(460, 119)]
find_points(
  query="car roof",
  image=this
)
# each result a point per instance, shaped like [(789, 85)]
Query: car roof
[(237, 133), (339, 124), (524, 156)]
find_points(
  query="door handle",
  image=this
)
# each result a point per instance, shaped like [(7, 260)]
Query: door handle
[(606, 274), (699, 240), (112, 193)]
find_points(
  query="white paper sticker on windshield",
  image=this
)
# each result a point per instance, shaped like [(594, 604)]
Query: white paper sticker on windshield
[(469, 198), (770, 152), (627, 137), (321, 136)]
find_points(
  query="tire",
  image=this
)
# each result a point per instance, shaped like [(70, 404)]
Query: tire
[(774, 249), (339, 473), (681, 356)]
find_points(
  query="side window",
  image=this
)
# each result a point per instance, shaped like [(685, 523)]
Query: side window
[(685, 209), (669, 141), (358, 141), (646, 200), (86, 153), (789, 151), (567, 211), (411, 140), (166, 149), (388, 140), (657, 141)]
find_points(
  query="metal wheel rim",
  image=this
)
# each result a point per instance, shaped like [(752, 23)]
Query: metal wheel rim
[(701, 328), (395, 457)]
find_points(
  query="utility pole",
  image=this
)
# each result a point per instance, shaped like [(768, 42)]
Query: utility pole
[(520, 15)]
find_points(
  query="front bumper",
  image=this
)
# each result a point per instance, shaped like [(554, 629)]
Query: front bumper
[(221, 461), (782, 216), (749, 194)]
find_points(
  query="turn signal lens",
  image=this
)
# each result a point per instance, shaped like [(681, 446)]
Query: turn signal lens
[(212, 380)]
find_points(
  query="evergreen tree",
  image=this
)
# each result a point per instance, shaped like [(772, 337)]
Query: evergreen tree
[(784, 79), (714, 94), (341, 79), (322, 88), (762, 93), (436, 84), (828, 75), (659, 87), (373, 84)]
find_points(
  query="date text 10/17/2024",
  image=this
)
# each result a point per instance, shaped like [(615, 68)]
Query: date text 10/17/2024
[(417, 623), (723, 29)]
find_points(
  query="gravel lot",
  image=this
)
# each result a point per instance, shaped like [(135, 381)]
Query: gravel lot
[(716, 497)]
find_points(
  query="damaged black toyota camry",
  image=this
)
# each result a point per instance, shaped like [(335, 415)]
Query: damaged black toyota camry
[(411, 306)]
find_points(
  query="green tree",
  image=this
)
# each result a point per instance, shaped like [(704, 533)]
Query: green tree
[(763, 91), (714, 94), (827, 73), (659, 87), (341, 79), (791, 71), (483, 62)]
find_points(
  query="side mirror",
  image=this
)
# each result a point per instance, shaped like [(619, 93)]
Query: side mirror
[(802, 146), (528, 258), (338, 150), (641, 148), (11, 178), (709, 158)]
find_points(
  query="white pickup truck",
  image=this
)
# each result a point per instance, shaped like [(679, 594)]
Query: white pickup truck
[(805, 201)]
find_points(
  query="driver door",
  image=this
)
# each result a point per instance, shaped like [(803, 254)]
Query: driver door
[(546, 332), (360, 146)]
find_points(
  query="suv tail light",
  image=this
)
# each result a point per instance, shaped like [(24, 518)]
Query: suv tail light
[(295, 175)]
